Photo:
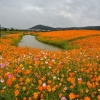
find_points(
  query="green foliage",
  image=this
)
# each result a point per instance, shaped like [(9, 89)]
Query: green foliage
[(61, 44), (10, 32)]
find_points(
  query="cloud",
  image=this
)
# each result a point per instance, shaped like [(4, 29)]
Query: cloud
[(56, 13)]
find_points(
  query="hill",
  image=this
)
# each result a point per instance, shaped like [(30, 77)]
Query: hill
[(85, 28), (42, 27), (48, 28)]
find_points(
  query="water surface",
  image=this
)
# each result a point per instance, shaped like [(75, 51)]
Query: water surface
[(30, 41)]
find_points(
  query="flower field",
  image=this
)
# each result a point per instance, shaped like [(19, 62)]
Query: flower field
[(65, 39), (35, 74), (67, 35), (93, 42)]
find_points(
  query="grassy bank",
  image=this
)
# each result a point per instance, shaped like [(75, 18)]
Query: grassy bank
[(16, 41), (11, 32), (61, 44), (11, 39)]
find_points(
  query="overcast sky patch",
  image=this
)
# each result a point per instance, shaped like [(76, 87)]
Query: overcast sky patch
[(24, 14)]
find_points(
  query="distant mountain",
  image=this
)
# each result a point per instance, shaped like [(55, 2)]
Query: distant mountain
[(85, 28), (48, 28), (92, 27), (42, 27)]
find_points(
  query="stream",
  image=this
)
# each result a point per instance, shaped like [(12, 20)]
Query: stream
[(30, 41)]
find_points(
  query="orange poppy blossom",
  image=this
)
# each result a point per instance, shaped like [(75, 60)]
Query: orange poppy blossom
[(35, 95), (16, 92), (31, 73), (71, 96), (87, 98)]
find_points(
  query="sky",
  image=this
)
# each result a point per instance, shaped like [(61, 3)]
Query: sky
[(23, 14)]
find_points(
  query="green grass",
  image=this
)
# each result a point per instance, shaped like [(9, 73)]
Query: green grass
[(11, 32), (61, 44)]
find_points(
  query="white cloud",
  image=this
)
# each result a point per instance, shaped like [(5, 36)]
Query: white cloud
[(57, 13)]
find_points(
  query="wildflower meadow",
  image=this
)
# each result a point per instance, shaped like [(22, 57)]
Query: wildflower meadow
[(36, 74)]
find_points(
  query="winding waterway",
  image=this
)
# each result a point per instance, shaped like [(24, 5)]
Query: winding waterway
[(30, 41)]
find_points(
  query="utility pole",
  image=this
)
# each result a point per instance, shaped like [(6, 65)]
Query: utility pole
[(0, 30)]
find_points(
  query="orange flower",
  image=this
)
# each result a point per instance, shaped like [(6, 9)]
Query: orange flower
[(40, 88), (24, 98), (60, 95), (27, 80), (49, 88), (40, 82), (35, 95), (16, 92), (29, 98), (87, 98), (41, 96), (77, 95), (89, 84), (79, 81), (26, 72), (2, 91), (71, 86), (87, 90), (98, 97), (9, 82), (71, 74), (21, 79), (44, 86), (16, 86), (71, 80), (24, 88), (71, 96), (49, 81), (54, 88)]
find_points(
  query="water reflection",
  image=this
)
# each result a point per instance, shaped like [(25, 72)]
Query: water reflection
[(30, 41)]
